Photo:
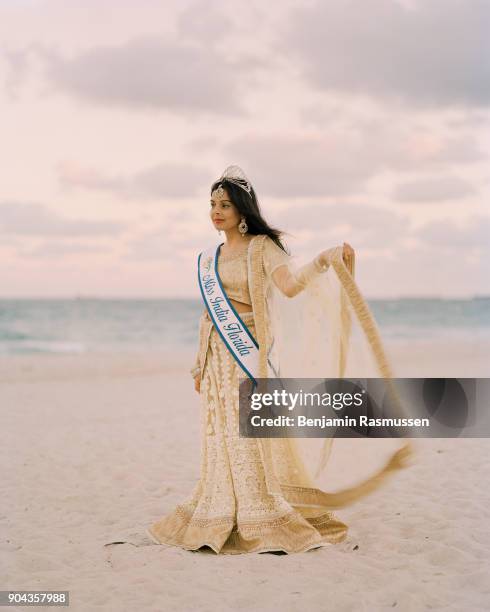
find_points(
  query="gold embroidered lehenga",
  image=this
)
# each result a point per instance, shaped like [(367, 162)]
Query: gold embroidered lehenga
[(253, 494)]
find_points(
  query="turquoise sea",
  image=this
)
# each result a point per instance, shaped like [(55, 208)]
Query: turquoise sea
[(82, 325)]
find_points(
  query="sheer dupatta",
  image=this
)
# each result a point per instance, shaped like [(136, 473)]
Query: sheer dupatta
[(326, 331)]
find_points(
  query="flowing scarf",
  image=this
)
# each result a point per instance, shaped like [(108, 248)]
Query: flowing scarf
[(326, 331)]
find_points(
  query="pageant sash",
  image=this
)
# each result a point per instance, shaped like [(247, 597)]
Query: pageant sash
[(233, 331)]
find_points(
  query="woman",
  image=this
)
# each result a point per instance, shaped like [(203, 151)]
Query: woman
[(254, 495)]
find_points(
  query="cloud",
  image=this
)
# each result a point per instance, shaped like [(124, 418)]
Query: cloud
[(374, 227), (424, 271), (18, 62), (286, 165), (433, 55), (341, 160), (206, 21), (447, 234), (361, 225), (148, 73), (38, 220), (177, 245), (175, 180), (439, 189), (56, 250)]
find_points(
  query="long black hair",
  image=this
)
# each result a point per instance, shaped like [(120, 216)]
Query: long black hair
[(248, 207)]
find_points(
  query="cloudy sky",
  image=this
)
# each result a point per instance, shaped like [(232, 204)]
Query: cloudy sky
[(367, 122)]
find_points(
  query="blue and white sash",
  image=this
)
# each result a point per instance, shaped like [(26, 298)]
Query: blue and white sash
[(233, 331)]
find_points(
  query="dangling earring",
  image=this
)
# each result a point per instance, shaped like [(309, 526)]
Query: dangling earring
[(219, 233), (243, 227)]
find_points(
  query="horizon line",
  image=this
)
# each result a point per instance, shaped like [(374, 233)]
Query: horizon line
[(150, 297)]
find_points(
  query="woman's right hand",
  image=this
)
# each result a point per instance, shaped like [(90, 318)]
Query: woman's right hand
[(197, 384), (347, 253), (325, 257)]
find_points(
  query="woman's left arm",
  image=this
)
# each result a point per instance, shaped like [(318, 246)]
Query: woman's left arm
[(289, 282)]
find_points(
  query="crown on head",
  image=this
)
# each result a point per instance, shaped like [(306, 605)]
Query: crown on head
[(235, 175)]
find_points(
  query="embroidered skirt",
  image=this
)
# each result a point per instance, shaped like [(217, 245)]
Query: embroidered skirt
[(230, 509)]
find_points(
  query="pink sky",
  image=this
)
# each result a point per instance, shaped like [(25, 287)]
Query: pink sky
[(369, 126)]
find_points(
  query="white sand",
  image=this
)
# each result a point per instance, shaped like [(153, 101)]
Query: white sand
[(97, 447)]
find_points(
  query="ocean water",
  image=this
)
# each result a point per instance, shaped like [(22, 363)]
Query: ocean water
[(82, 325)]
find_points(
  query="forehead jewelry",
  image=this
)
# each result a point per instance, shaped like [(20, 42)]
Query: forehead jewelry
[(220, 192)]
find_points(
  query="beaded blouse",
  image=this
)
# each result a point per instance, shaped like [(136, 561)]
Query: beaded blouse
[(234, 273), (232, 270)]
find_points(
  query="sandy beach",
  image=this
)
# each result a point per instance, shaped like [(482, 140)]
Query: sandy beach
[(96, 447)]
